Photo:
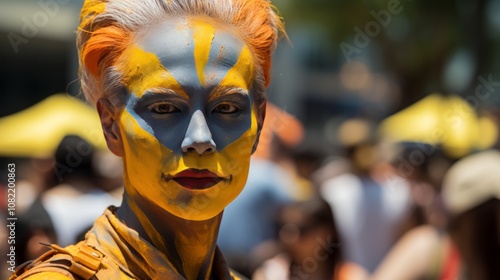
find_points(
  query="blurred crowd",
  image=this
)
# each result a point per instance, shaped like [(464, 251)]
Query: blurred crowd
[(378, 208)]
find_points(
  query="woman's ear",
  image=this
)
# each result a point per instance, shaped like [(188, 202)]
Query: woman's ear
[(261, 115), (109, 123)]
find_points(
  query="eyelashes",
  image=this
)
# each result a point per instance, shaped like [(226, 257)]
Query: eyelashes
[(226, 108), (162, 108)]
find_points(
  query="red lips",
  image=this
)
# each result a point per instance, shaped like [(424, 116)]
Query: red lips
[(196, 179)]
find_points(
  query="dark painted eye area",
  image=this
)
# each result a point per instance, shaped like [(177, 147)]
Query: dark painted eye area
[(163, 108), (225, 108)]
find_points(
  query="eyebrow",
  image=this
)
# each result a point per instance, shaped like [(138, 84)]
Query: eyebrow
[(220, 91), (164, 91)]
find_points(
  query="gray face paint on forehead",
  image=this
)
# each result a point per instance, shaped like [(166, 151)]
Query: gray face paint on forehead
[(176, 51)]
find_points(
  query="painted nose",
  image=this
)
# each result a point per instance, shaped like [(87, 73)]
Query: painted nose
[(198, 137)]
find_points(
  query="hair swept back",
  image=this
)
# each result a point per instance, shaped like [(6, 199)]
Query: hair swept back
[(108, 26)]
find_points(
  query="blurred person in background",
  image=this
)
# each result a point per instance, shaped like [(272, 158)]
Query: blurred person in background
[(471, 193), (88, 181), (247, 232), (281, 136), (425, 250), (310, 246), (434, 133), (33, 176), (370, 201)]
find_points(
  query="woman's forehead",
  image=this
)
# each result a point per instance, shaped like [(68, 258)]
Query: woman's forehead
[(193, 43), (196, 52)]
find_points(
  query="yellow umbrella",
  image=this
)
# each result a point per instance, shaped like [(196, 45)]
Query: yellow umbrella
[(447, 121), (37, 131)]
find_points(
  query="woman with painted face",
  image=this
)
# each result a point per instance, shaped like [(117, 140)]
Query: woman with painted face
[(179, 87)]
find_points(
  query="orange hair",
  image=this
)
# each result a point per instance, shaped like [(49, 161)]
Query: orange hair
[(107, 42), (253, 20)]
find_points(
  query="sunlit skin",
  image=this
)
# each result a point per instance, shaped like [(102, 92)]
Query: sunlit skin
[(186, 134)]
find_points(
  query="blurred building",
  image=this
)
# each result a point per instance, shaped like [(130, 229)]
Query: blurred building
[(37, 51)]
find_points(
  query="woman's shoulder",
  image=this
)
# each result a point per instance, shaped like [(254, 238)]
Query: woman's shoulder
[(73, 262)]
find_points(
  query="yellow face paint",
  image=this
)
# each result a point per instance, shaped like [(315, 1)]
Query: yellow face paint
[(241, 74), (203, 32), (189, 87), (143, 70)]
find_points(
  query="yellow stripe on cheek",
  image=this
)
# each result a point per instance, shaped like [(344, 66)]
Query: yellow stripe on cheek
[(143, 70), (241, 74), (203, 35)]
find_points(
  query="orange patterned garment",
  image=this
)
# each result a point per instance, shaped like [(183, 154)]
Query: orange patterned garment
[(119, 254)]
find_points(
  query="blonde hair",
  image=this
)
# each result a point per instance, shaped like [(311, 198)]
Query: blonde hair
[(108, 26)]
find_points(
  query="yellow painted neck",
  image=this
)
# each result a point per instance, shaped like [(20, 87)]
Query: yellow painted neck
[(188, 245)]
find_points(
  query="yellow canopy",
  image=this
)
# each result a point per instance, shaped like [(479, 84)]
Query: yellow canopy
[(36, 131), (448, 121)]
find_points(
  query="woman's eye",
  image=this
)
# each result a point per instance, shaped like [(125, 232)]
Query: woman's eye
[(163, 108), (225, 108)]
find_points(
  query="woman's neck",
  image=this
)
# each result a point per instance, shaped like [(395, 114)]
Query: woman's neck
[(188, 245)]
